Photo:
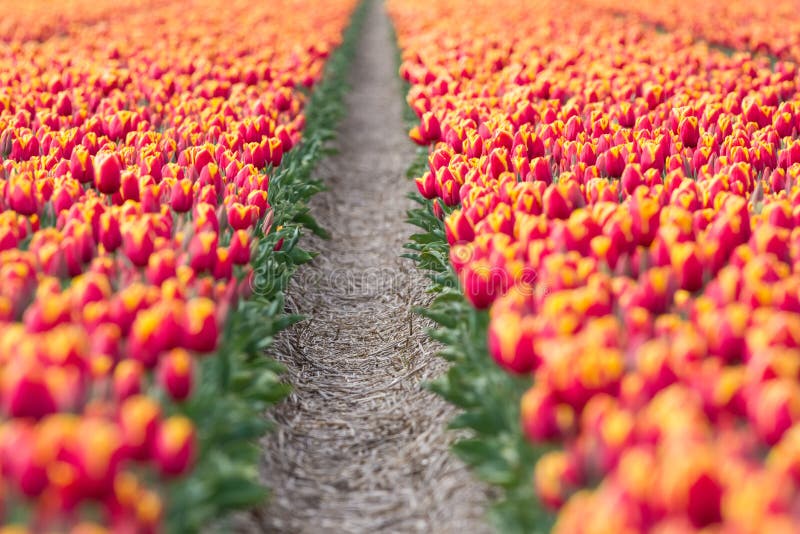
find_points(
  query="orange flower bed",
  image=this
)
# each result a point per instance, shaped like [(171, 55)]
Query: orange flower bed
[(136, 146), (626, 205), (771, 28)]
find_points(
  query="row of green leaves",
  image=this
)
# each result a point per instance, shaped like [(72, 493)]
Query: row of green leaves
[(240, 382), (488, 397)]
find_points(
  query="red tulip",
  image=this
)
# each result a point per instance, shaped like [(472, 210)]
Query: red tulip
[(21, 195), (543, 418), (511, 342), (241, 217), (139, 421), (203, 251), (128, 377), (138, 242), (154, 331), (176, 375), (773, 407), (556, 477), (181, 196), (689, 131), (109, 232), (687, 265), (175, 446), (25, 391), (107, 172), (239, 248), (200, 329)]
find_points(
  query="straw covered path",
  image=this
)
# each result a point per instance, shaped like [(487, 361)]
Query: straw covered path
[(361, 446)]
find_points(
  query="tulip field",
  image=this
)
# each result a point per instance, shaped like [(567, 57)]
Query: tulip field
[(618, 184), (608, 210)]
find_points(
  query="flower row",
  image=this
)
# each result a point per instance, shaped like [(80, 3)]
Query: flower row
[(136, 147), (626, 205), (742, 26)]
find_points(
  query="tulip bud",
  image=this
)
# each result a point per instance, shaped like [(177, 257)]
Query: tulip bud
[(458, 228), (540, 170), (176, 374), (138, 243), (257, 201), (689, 131), (25, 392), (239, 248), (511, 342), (138, 419), (631, 178), (429, 128), (555, 202), (543, 418), (773, 408), (556, 477), (21, 195), (438, 211), (181, 196), (107, 172), (482, 282), (687, 265), (161, 266), (200, 330), (692, 485), (241, 217), (127, 380), (203, 251), (109, 232), (426, 184), (223, 265), (175, 446)]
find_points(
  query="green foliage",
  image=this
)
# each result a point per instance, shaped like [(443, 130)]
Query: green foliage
[(489, 397), (240, 383)]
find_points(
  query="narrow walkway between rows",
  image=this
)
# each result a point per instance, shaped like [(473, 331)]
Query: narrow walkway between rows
[(360, 446)]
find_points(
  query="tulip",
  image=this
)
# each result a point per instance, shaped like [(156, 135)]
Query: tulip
[(127, 379), (223, 265), (773, 408), (200, 329), (181, 196), (555, 203), (175, 374), (241, 217), (21, 195), (556, 476), (203, 251), (257, 201), (26, 393), (458, 228), (175, 446), (239, 249), (430, 129), (110, 234), (426, 185), (540, 170), (511, 342), (688, 266), (107, 172), (139, 422), (543, 418), (153, 331), (482, 283), (689, 131), (137, 242)]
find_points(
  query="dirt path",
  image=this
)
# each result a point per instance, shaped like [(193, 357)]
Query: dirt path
[(360, 446)]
